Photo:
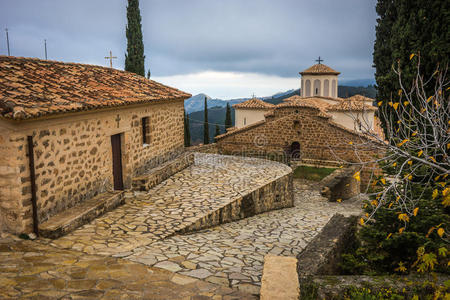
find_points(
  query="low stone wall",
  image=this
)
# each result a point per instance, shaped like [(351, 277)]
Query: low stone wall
[(157, 175), (340, 185), (209, 148), (279, 280), (274, 195), (322, 255)]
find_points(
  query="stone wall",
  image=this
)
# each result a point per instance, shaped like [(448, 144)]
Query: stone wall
[(276, 194), (340, 185), (157, 175), (319, 138), (209, 148), (73, 156)]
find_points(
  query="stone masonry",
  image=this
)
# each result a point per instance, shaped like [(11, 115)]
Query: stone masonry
[(319, 138), (73, 158)]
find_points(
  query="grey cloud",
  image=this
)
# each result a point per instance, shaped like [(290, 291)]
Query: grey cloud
[(279, 37)]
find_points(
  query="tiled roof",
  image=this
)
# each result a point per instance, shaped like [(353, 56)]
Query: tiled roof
[(254, 103), (297, 101), (31, 88), (349, 104), (360, 98), (319, 69)]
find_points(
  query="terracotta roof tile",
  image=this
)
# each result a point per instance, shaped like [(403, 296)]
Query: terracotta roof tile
[(351, 105), (360, 98), (319, 69), (254, 103), (31, 88)]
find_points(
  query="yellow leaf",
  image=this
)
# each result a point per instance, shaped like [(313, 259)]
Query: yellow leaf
[(390, 204), (443, 184), (367, 215), (416, 210), (398, 198), (420, 153), (440, 231), (406, 103), (445, 191), (437, 178), (410, 162), (394, 164), (401, 230), (446, 201), (395, 106), (389, 235), (430, 231), (361, 221), (400, 92), (339, 200), (435, 194), (374, 202), (390, 103), (357, 176), (448, 146), (429, 98), (379, 103), (403, 217), (410, 177), (414, 133), (402, 142), (411, 56), (432, 158), (383, 180)]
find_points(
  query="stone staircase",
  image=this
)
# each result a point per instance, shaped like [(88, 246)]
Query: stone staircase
[(70, 219)]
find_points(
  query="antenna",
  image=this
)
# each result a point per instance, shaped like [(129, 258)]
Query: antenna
[(45, 46), (7, 40)]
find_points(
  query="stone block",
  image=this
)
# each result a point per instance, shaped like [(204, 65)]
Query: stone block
[(279, 279)]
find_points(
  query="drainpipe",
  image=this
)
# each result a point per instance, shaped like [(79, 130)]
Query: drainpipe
[(33, 184)]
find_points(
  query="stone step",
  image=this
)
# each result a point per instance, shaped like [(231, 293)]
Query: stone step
[(83, 213)]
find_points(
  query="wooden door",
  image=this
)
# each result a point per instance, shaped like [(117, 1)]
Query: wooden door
[(117, 161)]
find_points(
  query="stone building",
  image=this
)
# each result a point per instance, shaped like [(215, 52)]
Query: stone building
[(69, 132), (311, 129), (250, 111)]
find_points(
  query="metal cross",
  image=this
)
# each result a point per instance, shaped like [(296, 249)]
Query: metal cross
[(110, 57), (118, 120), (319, 60), (253, 95)]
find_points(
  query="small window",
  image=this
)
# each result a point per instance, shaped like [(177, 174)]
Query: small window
[(145, 131), (317, 91), (245, 121)]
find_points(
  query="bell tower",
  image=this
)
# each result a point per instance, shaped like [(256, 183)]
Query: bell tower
[(319, 80)]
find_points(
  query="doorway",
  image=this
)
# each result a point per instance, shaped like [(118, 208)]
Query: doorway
[(295, 150), (116, 145)]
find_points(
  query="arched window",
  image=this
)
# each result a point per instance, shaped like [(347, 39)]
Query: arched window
[(317, 87), (302, 90), (245, 121), (333, 88), (307, 88), (326, 88)]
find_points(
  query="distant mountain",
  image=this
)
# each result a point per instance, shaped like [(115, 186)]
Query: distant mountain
[(197, 102), (358, 82)]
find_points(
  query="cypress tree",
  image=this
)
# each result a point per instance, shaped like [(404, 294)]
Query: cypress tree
[(148, 74), (228, 122), (134, 58), (217, 130), (206, 125), (187, 131), (406, 27)]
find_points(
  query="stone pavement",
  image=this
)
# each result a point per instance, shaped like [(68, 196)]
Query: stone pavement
[(233, 254), (211, 183), (31, 270)]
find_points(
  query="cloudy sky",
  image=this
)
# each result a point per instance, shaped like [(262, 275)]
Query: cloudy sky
[(224, 48)]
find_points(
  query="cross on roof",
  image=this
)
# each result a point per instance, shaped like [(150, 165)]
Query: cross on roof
[(319, 60), (110, 57)]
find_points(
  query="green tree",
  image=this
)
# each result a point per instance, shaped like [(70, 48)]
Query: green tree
[(406, 27), (187, 131), (228, 122), (206, 125), (134, 58), (148, 74)]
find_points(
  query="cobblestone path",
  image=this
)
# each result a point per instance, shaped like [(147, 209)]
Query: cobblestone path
[(232, 254), (31, 270), (212, 182)]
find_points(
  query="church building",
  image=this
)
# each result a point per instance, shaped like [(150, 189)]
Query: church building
[(69, 132), (315, 126)]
